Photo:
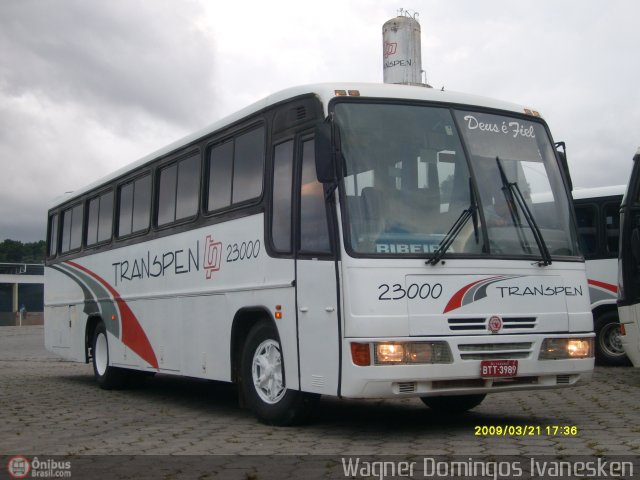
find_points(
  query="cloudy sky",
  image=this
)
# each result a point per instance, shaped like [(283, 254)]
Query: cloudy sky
[(89, 86)]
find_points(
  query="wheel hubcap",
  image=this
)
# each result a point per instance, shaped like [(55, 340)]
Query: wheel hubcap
[(610, 340), (100, 354), (266, 371)]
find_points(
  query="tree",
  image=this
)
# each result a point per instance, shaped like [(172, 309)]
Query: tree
[(14, 251)]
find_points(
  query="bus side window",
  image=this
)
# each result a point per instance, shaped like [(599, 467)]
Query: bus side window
[(134, 206), (188, 187), (53, 235), (248, 165), (167, 195), (179, 187), (586, 216), (281, 198), (71, 229), (141, 204), (611, 213), (220, 172), (236, 170), (100, 218), (314, 230)]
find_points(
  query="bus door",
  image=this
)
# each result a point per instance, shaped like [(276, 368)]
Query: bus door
[(316, 282), (629, 267)]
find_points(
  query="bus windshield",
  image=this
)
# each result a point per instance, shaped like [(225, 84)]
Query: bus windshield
[(407, 180)]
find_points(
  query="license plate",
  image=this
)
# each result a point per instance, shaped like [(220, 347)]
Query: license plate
[(498, 368)]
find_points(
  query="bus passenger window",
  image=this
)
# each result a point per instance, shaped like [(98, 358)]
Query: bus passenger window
[(248, 160), (134, 206), (587, 229), (71, 229), (167, 195), (612, 228), (179, 187), (236, 170), (105, 220), (188, 187), (220, 171), (281, 201), (314, 230), (126, 210), (53, 235), (99, 219), (141, 204)]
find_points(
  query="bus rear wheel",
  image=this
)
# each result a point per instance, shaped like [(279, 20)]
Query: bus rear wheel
[(263, 380), (452, 404), (106, 376)]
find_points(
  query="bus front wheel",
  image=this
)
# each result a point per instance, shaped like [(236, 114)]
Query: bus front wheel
[(263, 380), (453, 404), (107, 376), (609, 349)]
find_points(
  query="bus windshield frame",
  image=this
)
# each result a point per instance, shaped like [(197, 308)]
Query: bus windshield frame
[(409, 171)]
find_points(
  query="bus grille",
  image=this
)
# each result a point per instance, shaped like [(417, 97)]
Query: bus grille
[(407, 387), (488, 351), (479, 324)]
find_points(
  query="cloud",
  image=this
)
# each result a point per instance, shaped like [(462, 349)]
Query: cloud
[(87, 87), (573, 61), (130, 56)]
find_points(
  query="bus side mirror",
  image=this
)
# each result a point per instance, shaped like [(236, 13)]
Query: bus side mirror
[(325, 168)]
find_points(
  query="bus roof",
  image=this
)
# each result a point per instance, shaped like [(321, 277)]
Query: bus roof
[(325, 92), (595, 192)]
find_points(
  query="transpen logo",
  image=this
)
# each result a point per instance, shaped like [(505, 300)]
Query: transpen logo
[(390, 48), (18, 467), (212, 256), (474, 291)]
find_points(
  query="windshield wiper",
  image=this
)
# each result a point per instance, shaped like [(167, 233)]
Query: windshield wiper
[(513, 208), (457, 227), (514, 197)]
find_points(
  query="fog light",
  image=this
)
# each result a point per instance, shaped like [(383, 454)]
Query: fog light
[(563, 348)]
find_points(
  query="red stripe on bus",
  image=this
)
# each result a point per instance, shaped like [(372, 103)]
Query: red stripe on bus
[(456, 300), (606, 286), (133, 335)]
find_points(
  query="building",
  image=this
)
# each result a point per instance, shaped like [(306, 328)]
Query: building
[(21, 294)]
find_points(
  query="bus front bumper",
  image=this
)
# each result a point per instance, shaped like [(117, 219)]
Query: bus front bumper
[(470, 357)]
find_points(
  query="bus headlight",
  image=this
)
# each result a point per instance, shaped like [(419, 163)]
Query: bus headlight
[(564, 348), (394, 353), (389, 353)]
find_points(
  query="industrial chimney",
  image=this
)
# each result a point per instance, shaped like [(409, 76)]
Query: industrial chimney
[(402, 61)]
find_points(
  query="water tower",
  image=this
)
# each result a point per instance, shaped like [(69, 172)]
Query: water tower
[(402, 60)]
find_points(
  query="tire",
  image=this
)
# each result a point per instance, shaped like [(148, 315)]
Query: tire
[(106, 376), (263, 380), (609, 349), (453, 404)]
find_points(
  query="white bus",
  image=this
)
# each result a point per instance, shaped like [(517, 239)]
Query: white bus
[(629, 266), (353, 240), (598, 216)]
